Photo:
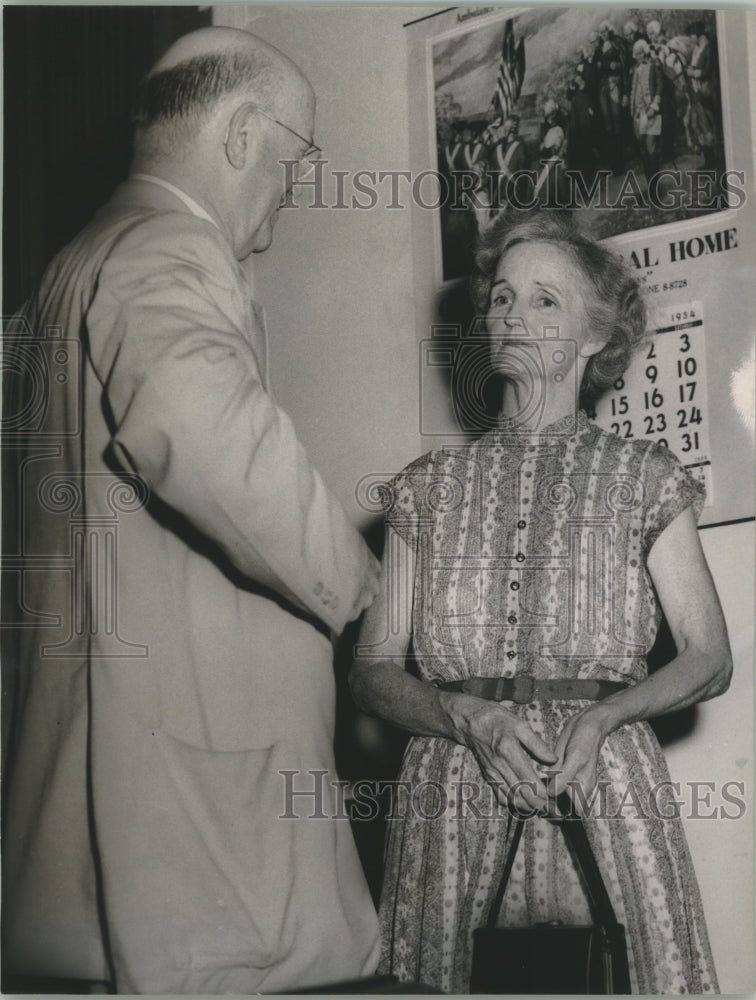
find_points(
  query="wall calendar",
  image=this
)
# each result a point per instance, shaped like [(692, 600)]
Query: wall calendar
[(663, 393)]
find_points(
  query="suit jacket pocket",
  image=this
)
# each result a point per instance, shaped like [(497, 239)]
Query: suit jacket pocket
[(240, 857)]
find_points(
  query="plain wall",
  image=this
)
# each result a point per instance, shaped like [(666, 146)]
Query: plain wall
[(336, 284), (338, 288), (719, 749)]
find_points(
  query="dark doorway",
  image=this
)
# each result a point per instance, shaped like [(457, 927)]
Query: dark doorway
[(70, 74)]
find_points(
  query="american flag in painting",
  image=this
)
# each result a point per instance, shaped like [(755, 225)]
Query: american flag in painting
[(511, 73)]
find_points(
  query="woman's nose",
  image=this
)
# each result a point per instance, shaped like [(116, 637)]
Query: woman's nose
[(507, 325), (513, 321)]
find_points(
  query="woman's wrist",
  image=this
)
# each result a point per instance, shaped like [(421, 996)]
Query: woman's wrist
[(607, 715), (450, 704), (463, 714)]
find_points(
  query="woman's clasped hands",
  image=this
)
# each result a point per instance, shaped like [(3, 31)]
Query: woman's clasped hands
[(524, 771)]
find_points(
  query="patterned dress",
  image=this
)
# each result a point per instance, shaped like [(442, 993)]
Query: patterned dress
[(531, 559)]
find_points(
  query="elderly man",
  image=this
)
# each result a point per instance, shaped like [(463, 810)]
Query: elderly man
[(181, 567)]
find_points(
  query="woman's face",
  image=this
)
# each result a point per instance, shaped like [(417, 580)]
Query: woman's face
[(538, 297)]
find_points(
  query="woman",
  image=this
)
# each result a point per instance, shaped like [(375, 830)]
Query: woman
[(539, 552)]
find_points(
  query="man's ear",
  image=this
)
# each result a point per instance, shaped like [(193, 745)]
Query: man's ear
[(241, 136), (590, 347)]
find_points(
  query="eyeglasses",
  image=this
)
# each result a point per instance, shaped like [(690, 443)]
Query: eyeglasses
[(304, 164)]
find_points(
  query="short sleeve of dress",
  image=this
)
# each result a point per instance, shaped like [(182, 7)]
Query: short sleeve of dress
[(405, 499), (669, 490)]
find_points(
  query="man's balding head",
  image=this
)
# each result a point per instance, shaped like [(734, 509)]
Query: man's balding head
[(218, 115), (199, 72)]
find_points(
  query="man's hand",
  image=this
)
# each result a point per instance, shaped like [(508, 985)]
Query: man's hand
[(506, 748), (577, 750)]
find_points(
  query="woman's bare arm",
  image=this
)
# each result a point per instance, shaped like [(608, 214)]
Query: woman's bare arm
[(701, 669)]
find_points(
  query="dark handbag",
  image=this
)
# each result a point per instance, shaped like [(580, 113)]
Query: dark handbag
[(552, 958)]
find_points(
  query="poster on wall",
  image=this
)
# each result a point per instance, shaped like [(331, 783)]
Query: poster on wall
[(617, 112)]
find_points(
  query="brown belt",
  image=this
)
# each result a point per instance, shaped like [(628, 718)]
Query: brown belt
[(523, 690)]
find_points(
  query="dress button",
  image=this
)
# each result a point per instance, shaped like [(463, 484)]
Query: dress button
[(514, 585), (512, 619), (520, 557), (521, 524), (511, 654)]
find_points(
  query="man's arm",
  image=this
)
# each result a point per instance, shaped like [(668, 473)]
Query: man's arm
[(191, 416)]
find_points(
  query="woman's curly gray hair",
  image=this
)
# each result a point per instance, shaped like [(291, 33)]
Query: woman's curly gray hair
[(615, 309)]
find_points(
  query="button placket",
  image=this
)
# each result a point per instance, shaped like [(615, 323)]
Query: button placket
[(525, 495)]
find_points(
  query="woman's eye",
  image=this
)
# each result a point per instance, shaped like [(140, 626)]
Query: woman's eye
[(546, 300), (501, 299)]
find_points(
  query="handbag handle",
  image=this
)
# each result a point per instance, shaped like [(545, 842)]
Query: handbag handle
[(572, 826)]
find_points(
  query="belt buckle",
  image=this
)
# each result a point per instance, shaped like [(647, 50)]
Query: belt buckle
[(523, 690)]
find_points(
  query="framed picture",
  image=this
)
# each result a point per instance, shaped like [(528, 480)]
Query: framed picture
[(616, 112)]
